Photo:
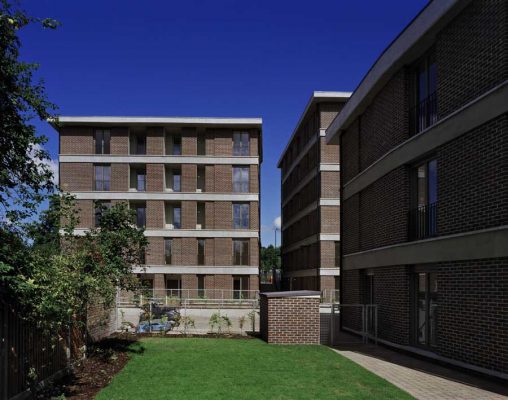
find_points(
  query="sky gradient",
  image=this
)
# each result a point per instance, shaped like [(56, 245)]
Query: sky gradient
[(223, 58)]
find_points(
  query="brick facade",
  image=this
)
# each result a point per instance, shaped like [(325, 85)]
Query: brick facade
[(79, 139), (305, 181), (290, 317), (464, 299)]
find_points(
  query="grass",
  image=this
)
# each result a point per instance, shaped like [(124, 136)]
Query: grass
[(242, 369)]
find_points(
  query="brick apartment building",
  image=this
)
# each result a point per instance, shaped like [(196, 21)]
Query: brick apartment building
[(424, 187), (193, 182), (310, 198)]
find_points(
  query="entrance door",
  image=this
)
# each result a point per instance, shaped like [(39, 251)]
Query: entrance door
[(426, 309)]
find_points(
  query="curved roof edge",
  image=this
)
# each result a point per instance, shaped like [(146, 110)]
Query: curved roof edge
[(404, 48)]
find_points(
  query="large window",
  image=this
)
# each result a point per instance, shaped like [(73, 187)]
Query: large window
[(241, 215), (241, 179), (100, 207), (424, 93), (173, 212), (173, 179), (241, 144), (241, 252), (102, 177), (201, 286), (425, 308), (423, 216), (200, 181), (201, 145), (201, 215), (201, 251), (138, 144), (140, 209), (102, 141), (168, 251), (138, 179)]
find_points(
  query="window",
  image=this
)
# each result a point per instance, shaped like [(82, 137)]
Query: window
[(138, 144), (177, 145), (173, 179), (168, 251), (241, 179), (201, 251), (100, 207), (241, 144), (102, 177), (423, 216), (337, 254), (138, 179), (241, 252), (201, 216), (424, 99), (425, 308), (201, 286), (240, 287), (240, 215), (140, 215), (173, 213), (102, 141), (200, 183), (201, 145)]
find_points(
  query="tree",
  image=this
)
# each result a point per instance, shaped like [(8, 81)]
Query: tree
[(25, 175), (59, 274), (270, 258)]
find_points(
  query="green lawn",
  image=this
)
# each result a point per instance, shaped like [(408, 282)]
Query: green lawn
[(242, 369)]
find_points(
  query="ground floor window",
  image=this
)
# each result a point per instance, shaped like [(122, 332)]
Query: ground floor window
[(240, 287), (425, 308)]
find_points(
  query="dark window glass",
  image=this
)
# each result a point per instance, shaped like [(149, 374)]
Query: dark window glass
[(240, 252), (201, 286), (426, 308), (177, 217), (423, 217), (201, 251), (141, 216), (201, 145), (201, 216), (200, 184), (424, 96), (102, 141), (141, 181), (102, 177), (177, 145), (240, 215), (241, 144), (177, 180), (140, 144), (168, 251), (241, 179)]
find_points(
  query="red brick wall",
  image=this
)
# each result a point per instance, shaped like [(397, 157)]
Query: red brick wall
[(77, 140), (290, 320), (76, 177)]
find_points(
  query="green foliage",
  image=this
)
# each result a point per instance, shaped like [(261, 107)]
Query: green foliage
[(270, 258), (220, 322), (25, 176), (56, 276)]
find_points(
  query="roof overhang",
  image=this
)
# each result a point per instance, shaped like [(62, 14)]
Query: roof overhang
[(317, 97), (406, 48), (154, 121)]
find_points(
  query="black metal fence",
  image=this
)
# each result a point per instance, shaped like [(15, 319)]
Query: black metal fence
[(27, 356), (423, 114), (423, 222)]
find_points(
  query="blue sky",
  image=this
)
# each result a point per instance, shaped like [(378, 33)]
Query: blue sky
[(226, 58)]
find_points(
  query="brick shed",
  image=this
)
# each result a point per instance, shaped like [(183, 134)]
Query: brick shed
[(290, 317)]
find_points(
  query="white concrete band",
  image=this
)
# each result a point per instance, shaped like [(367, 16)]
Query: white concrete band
[(335, 167), (203, 196), (301, 273), (117, 120), (191, 233), (144, 159), (311, 239), (201, 269)]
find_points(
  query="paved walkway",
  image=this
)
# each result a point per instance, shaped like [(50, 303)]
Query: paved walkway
[(422, 379)]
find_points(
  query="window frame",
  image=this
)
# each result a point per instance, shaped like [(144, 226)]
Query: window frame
[(244, 215), (241, 186), (241, 147), (243, 257), (102, 138), (103, 184)]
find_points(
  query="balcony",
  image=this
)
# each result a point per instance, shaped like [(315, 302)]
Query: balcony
[(424, 114), (423, 222)]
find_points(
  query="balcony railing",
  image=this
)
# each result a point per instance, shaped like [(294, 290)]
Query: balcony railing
[(423, 222), (424, 114)]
